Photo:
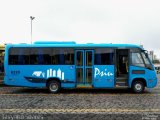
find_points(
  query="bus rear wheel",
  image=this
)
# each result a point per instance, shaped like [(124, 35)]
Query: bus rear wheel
[(138, 87), (53, 86)]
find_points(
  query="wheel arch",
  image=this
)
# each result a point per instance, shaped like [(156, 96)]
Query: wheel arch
[(139, 79), (53, 79)]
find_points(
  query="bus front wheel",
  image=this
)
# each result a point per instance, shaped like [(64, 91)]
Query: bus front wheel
[(53, 86), (138, 87)]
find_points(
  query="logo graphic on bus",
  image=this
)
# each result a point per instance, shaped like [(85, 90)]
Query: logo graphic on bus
[(102, 73), (38, 74), (50, 73), (54, 73)]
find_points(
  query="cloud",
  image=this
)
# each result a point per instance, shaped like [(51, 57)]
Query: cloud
[(102, 21)]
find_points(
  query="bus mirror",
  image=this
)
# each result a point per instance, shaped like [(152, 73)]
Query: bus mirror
[(145, 52)]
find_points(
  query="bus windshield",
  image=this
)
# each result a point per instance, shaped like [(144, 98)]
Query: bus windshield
[(146, 60)]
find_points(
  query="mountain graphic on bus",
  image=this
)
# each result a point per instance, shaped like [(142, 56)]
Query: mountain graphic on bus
[(38, 74)]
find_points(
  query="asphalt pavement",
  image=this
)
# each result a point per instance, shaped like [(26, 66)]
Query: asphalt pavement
[(119, 104)]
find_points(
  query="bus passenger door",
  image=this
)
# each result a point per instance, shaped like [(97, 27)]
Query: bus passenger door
[(122, 69), (84, 67), (89, 61)]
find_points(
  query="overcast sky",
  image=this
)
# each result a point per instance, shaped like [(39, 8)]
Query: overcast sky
[(83, 21)]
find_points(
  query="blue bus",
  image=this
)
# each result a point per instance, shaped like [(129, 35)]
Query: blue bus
[(56, 65)]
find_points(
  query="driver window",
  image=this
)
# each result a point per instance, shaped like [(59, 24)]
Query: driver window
[(136, 59), (147, 62)]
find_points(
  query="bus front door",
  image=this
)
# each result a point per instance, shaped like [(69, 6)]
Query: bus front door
[(84, 67)]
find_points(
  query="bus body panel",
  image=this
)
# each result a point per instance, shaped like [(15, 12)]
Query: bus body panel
[(36, 75), (139, 72)]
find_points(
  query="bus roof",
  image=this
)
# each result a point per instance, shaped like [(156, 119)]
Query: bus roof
[(73, 44), (54, 42)]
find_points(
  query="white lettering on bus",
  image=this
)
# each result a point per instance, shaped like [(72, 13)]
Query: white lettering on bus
[(102, 73)]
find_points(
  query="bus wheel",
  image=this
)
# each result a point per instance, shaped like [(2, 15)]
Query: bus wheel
[(138, 87), (53, 86)]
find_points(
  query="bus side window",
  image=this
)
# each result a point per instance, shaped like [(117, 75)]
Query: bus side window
[(47, 56), (34, 56), (40, 56), (18, 56), (104, 56), (68, 56), (23, 56), (55, 54), (63, 56)]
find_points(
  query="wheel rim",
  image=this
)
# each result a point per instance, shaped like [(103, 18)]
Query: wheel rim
[(138, 87), (53, 87)]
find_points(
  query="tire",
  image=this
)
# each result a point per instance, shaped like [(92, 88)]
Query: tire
[(53, 86), (138, 87)]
